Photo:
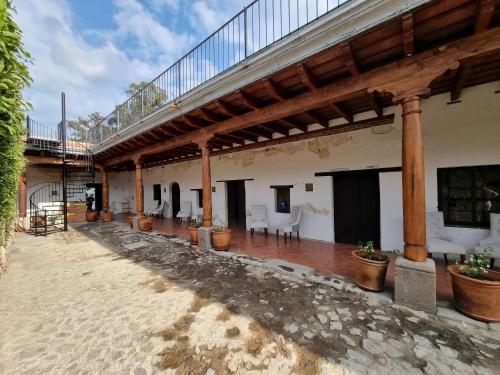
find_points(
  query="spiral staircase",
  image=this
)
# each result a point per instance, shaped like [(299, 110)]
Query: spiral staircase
[(47, 202)]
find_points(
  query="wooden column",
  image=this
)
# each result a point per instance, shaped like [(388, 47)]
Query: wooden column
[(413, 181), (105, 189), (139, 189), (206, 185), (22, 203)]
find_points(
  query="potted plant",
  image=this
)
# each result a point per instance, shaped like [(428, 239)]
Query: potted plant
[(193, 231), (370, 267), (146, 223), (476, 289), (107, 216), (91, 216), (221, 237)]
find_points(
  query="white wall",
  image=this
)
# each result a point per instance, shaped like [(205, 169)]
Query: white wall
[(462, 134)]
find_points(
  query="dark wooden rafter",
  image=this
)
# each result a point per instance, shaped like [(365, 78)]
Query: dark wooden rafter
[(461, 79), (375, 104), (145, 139), (135, 142), (274, 128), (248, 100), (318, 117), (349, 60), (181, 127), (227, 109), (169, 132), (209, 115), (290, 121), (277, 92), (192, 121), (484, 14), (408, 44), (249, 135), (341, 111), (307, 77), (217, 139), (154, 136), (258, 132), (236, 138)]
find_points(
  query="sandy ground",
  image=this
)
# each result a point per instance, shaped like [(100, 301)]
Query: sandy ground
[(100, 299)]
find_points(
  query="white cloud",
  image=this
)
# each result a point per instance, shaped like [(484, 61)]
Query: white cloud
[(93, 77)]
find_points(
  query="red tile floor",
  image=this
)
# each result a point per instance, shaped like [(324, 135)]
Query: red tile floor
[(323, 256)]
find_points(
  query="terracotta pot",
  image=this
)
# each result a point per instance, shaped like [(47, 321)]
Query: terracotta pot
[(479, 299), (107, 216), (221, 240), (145, 223), (91, 216), (193, 231), (369, 274)]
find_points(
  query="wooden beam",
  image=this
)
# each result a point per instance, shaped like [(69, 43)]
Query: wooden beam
[(342, 112), (180, 127), (258, 132), (167, 132), (275, 128), (484, 14), (248, 135), (248, 100), (223, 141), (462, 75), (319, 118), (276, 91), (408, 44), (227, 109), (397, 78), (375, 104), (307, 77), (192, 121), (349, 60), (293, 123), (209, 115)]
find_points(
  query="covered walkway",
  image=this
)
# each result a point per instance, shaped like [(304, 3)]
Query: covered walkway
[(323, 256)]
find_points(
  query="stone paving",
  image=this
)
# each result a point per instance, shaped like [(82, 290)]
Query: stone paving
[(101, 299)]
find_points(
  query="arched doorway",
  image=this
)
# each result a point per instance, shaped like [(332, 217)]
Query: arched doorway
[(175, 192)]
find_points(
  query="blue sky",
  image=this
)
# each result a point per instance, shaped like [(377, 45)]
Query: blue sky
[(92, 49)]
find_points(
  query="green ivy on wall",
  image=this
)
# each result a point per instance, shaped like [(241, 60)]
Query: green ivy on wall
[(14, 77)]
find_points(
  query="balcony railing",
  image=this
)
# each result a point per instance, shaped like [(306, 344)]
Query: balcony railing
[(257, 26)]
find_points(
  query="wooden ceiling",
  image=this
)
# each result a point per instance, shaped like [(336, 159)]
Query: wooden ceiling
[(430, 26)]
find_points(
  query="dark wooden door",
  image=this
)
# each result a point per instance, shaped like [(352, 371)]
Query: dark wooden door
[(157, 193), (236, 207), (357, 207), (176, 199)]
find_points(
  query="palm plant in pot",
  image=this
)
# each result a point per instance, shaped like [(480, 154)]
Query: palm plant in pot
[(193, 232), (370, 267), (221, 237), (476, 288)]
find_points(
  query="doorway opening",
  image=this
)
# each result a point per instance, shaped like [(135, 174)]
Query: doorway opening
[(236, 205), (175, 193), (356, 197)]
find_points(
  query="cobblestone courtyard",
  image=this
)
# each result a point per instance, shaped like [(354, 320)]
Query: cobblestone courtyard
[(100, 299)]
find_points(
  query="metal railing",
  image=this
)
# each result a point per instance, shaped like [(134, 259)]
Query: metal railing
[(259, 25)]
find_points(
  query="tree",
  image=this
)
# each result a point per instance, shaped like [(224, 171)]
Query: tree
[(144, 99), (14, 77), (81, 128)]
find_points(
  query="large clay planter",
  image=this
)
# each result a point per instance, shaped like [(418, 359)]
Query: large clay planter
[(479, 299), (193, 231), (145, 223), (91, 216), (221, 240), (369, 274), (107, 216)]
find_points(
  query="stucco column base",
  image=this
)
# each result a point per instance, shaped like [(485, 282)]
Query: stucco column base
[(205, 238), (135, 223), (415, 284)]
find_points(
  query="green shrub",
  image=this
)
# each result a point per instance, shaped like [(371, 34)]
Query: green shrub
[(14, 77)]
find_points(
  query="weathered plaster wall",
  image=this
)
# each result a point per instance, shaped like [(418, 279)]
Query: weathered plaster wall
[(467, 133)]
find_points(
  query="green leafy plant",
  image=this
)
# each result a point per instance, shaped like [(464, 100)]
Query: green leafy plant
[(368, 251), (476, 265), (14, 77)]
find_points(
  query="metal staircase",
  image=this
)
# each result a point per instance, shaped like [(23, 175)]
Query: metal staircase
[(48, 203)]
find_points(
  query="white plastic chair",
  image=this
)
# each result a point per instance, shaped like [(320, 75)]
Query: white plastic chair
[(153, 206), (185, 212), (438, 239), (292, 224), (493, 240), (161, 211), (258, 218)]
